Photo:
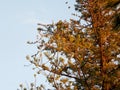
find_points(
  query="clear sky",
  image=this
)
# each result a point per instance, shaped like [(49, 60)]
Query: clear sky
[(18, 23)]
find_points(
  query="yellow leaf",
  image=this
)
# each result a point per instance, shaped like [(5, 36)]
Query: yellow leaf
[(72, 38), (64, 80)]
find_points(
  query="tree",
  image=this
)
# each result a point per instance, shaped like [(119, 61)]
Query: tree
[(82, 54)]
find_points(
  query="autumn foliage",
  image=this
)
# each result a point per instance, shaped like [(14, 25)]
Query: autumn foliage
[(82, 54)]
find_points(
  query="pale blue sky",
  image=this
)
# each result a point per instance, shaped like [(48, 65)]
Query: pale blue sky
[(18, 23)]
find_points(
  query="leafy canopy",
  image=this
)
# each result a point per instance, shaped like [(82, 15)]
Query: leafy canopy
[(82, 54)]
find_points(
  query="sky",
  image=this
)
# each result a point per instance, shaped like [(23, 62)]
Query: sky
[(18, 24)]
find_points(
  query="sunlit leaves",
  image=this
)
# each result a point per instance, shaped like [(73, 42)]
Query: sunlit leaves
[(81, 54)]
